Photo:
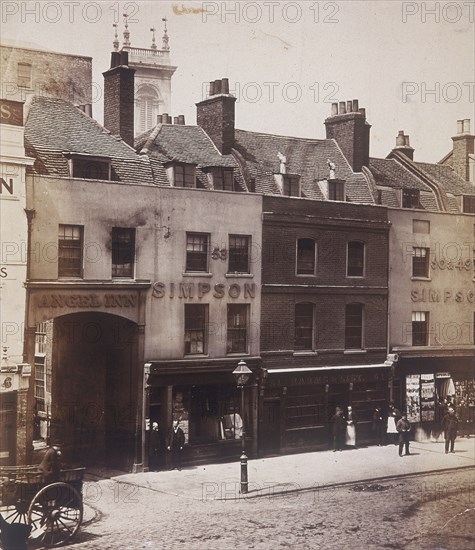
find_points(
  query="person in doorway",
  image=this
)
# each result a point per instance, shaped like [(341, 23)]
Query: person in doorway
[(339, 429), (155, 447), (50, 465), (404, 429), (379, 426), (450, 425), (462, 415), (350, 436), (393, 417), (175, 444)]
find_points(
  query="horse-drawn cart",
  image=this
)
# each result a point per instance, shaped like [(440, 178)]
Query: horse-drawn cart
[(53, 509)]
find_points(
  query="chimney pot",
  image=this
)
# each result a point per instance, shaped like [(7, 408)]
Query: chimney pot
[(355, 105), (400, 141), (165, 118), (217, 87), (466, 126), (349, 106), (334, 109), (124, 58), (225, 85), (362, 111), (211, 88), (159, 119), (181, 119), (115, 59), (342, 108), (175, 120), (88, 109), (459, 126), (406, 140)]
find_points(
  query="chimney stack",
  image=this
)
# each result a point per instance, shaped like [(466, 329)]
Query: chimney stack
[(216, 115), (119, 98), (463, 147), (403, 145), (347, 125)]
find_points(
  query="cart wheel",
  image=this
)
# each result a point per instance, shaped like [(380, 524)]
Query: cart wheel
[(17, 513), (55, 513)]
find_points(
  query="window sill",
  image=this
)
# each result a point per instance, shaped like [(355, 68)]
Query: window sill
[(354, 351), (237, 353), (313, 275), (239, 275), (305, 353), (196, 356), (196, 274), (421, 279), (356, 276)]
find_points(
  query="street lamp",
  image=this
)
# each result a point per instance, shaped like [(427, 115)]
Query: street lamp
[(242, 374)]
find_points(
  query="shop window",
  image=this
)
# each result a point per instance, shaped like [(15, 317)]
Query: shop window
[(291, 185), (24, 75), (304, 327), (411, 198), (306, 263), (70, 251), (196, 329), (354, 326), (185, 175), (420, 325), (197, 245), (336, 190), (420, 262), (239, 251), (468, 204), (123, 252), (237, 328), (223, 179), (355, 259)]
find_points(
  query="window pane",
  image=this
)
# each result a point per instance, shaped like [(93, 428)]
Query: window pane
[(420, 262), (195, 328), (123, 252), (411, 198), (237, 328), (239, 254), (336, 191), (196, 252), (354, 326), (70, 251), (184, 175), (223, 179), (355, 266), (304, 326), (291, 186), (305, 257)]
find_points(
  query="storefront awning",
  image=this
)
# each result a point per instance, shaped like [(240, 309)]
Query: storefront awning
[(331, 368)]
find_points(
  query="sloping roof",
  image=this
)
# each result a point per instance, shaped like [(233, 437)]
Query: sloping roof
[(305, 157), (75, 132), (389, 173), (447, 178)]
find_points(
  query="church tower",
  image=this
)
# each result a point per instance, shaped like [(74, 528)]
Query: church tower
[(153, 74)]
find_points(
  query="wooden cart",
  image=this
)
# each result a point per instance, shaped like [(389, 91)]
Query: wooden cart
[(53, 509)]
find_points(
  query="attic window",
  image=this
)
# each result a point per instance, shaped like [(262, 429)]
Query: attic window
[(411, 198), (223, 178), (468, 204), (336, 190), (89, 167), (291, 185), (184, 175)]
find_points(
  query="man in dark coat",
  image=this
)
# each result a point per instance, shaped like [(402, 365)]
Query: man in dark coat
[(379, 426), (450, 425), (155, 447), (50, 465), (175, 444), (339, 429), (404, 429)]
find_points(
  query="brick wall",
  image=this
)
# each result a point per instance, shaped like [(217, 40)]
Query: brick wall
[(351, 132), (119, 102), (463, 147), (216, 116)]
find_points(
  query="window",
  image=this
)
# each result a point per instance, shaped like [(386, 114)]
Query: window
[(196, 329), (91, 168), (304, 327), (185, 175), (223, 179), (197, 251), (239, 249), (70, 251), (291, 185), (411, 198), (354, 326), (40, 393), (419, 328), (355, 259), (24, 75), (237, 328), (123, 252), (336, 190), (306, 257), (468, 204), (420, 262)]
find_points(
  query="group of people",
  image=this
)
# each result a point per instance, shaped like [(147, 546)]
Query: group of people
[(393, 427), (174, 444)]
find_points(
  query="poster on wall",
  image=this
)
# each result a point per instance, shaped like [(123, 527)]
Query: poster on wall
[(427, 397), (413, 403)]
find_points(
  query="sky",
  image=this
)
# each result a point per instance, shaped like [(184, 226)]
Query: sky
[(410, 64)]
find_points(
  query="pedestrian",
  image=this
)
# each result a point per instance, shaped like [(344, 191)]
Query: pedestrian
[(155, 447), (50, 465), (175, 444), (404, 429), (450, 425), (462, 415), (339, 429), (350, 435), (379, 426), (393, 417)]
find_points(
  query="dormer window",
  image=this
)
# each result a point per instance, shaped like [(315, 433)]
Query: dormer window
[(411, 198), (184, 175), (89, 167), (336, 190), (291, 185), (468, 206), (223, 178)]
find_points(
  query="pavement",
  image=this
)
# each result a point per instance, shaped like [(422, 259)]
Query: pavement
[(280, 475)]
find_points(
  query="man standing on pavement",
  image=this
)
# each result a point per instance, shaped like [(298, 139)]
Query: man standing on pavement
[(175, 444), (404, 429), (339, 429), (450, 425)]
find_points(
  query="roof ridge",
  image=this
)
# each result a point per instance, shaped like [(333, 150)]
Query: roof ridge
[(310, 140)]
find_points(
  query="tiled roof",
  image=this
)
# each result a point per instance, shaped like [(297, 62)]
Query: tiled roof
[(306, 157), (447, 178), (428, 201), (389, 173), (55, 126)]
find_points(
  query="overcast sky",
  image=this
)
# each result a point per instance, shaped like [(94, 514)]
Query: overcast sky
[(287, 61)]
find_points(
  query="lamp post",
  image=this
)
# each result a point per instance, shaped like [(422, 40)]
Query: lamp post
[(242, 374)]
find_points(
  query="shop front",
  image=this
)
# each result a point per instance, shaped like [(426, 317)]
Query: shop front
[(205, 400), (429, 385), (297, 404)]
